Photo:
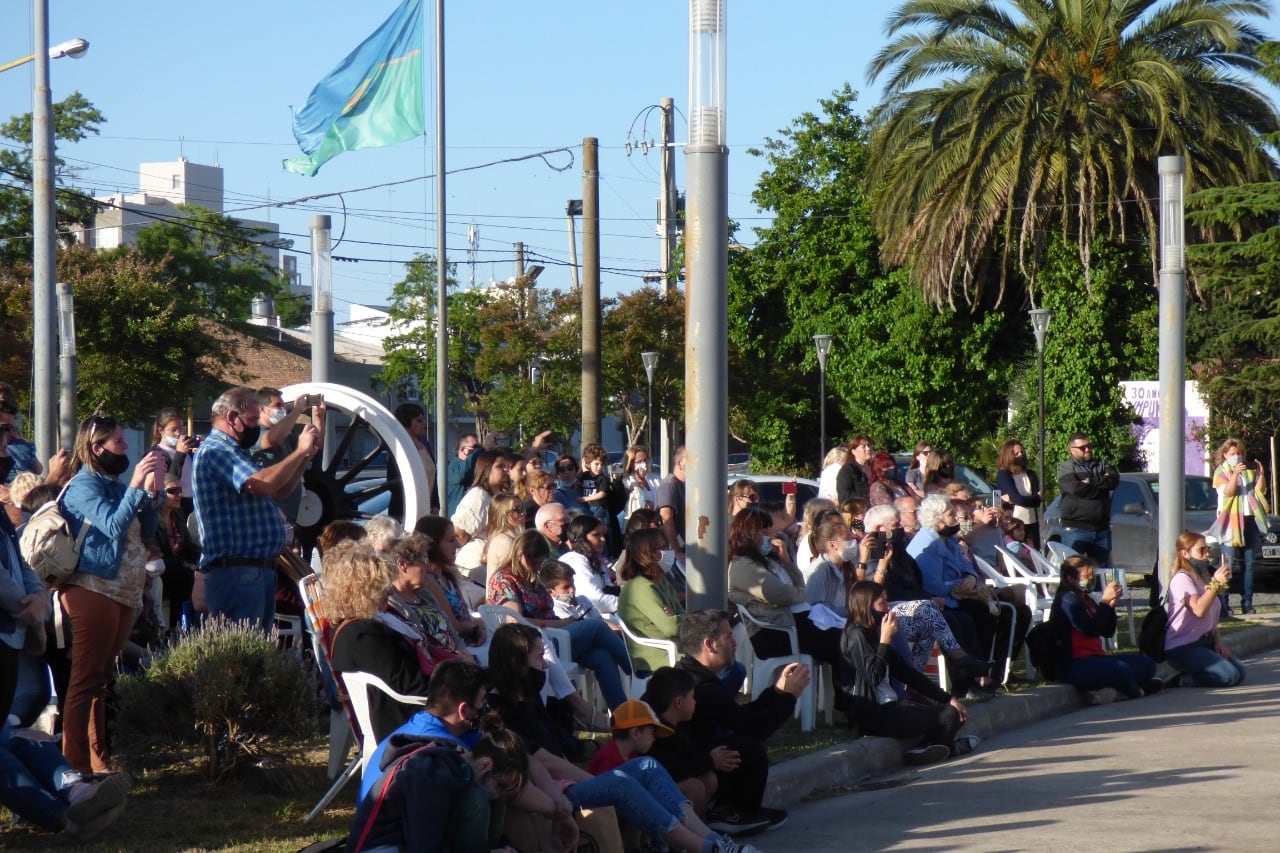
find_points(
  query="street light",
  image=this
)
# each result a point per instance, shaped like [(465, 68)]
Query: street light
[(75, 48), (1040, 318), (650, 360), (823, 344)]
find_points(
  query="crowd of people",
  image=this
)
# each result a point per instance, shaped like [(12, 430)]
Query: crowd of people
[(868, 578)]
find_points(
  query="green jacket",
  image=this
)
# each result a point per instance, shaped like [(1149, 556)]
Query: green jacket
[(650, 610)]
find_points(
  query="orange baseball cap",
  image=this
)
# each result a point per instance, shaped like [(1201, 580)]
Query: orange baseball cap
[(632, 714)]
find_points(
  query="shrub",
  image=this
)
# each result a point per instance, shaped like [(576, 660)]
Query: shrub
[(226, 687)]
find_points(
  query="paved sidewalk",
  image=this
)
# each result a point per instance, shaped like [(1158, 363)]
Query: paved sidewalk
[(856, 762)]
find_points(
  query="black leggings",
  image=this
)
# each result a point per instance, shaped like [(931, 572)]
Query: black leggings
[(822, 646), (931, 723)]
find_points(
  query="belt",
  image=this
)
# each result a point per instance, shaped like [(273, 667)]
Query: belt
[(236, 562)]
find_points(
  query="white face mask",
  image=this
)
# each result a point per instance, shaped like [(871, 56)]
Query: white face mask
[(170, 440), (641, 468), (1233, 460), (275, 416), (850, 551)]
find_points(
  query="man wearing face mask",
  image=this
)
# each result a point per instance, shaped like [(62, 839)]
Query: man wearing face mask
[(276, 440), (241, 528), (1086, 485)]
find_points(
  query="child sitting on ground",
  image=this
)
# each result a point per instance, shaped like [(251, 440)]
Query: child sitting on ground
[(635, 728)]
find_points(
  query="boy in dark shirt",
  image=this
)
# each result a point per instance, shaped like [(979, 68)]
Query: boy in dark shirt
[(593, 482)]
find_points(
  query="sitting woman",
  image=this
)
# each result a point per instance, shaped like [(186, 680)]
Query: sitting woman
[(1192, 645), (506, 522), (357, 586), (595, 646), (1082, 661), (492, 476), (920, 623), (816, 511), (591, 573), (640, 790), (763, 580), (874, 706), (649, 604), (418, 600)]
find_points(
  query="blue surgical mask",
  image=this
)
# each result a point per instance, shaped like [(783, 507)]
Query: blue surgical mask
[(766, 544)]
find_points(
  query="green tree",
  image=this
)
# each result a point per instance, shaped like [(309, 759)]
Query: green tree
[(645, 320), (1004, 123), (220, 261), (139, 341), (74, 118), (899, 368)]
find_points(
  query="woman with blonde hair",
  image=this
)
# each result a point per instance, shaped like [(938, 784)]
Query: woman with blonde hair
[(1192, 644), (169, 435), (540, 488), (835, 459), (1242, 498), (815, 511), (506, 522), (357, 588)]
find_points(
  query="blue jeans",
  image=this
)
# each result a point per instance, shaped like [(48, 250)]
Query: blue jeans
[(600, 649), (641, 790), (242, 593), (1201, 666), (1242, 564), (34, 779), (1091, 543), (1123, 672)]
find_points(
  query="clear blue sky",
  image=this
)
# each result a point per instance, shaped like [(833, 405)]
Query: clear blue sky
[(214, 82)]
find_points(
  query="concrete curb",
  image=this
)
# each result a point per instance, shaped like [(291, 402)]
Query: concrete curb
[(856, 761)]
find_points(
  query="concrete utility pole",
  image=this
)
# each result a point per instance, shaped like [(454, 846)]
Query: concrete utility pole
[(44, 332), (667, 233), (1173, 330), (321, 299), (706, 344), (69, 424), (442, 274), (590, 290)]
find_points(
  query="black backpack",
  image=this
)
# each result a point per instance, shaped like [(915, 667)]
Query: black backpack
[(1155, 624), (1046, 642)]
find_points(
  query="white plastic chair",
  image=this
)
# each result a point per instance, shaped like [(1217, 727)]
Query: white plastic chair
[(358, 684), (639, 681), (762, 670), (999, 581), (1060, 552), (496, 615), (1042, 587)]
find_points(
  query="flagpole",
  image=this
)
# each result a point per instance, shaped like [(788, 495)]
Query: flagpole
[(442, 340)]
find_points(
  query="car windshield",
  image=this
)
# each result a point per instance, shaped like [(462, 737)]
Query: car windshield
[(1198, 494)]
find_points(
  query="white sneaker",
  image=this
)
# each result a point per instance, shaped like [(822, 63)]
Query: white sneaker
[(89, 799), (964, 745), (728, 845)]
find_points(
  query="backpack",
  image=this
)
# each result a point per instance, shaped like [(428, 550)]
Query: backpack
[(1155, 624), (47, 544), (1045, 643)]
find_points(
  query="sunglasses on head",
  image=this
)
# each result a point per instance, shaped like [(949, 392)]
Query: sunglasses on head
[(104, 424)]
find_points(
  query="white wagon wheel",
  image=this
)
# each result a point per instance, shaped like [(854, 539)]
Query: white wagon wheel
[(327, 483)]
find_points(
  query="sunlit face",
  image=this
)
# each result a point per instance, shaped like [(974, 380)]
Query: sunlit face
[(862, 452), (449, 544), (596, 467), (534, 464), (881, 604), (1086, 575), (500, 474), (173, 430), (564, 587), (596, 539), (412, 574), (172, 496), (724, 647), (114, 442), (948, 518), (518, 471)]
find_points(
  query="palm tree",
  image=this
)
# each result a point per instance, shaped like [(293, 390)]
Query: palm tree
[(1003, 121)]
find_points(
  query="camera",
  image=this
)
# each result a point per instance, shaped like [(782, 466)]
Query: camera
[(876, 551)]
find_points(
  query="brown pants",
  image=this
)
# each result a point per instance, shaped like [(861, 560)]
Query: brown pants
[(99, 628)]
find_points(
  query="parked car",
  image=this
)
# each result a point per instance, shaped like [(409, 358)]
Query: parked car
[(964, 474), (770, 487), (1135, 523)]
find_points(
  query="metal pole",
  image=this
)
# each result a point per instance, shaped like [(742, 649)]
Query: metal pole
[(1173, 294), (590, 291), (442, 267), (648, 420), (1040, 431), (67, 362), (822, 409), (321, 299), (666, 162), (707, 327), (44, 331)]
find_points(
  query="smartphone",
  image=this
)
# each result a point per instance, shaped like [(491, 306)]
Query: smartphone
[(788, 488), (876, 551), (995, 498), (310, 400)]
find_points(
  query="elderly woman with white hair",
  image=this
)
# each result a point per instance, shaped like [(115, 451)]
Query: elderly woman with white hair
[(947, 574), (831, 465)]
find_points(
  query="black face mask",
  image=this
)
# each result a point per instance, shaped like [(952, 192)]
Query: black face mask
[(949, 530), (947, 471), (112, 464), (1020, 461), (857, 525), (534, 680), (1202, 566), (249, 437)]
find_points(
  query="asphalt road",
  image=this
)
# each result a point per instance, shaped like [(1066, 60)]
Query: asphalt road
[(1188, 769)]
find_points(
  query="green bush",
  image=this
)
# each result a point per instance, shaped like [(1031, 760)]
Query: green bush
[(225, 687)]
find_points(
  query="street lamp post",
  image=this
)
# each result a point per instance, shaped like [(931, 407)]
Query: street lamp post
[(650, 360), (1040, 318), (823, 345), (74, 48)]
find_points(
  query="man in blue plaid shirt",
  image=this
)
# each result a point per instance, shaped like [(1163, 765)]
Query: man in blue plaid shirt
[(241, 528)]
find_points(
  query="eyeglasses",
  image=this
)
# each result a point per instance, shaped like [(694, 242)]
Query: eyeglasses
[(565, 469), (175, 492), (750, 498), (105, 423), (1082, 447)]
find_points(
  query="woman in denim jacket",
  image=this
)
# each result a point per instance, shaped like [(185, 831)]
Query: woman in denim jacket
[(104, 596)]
